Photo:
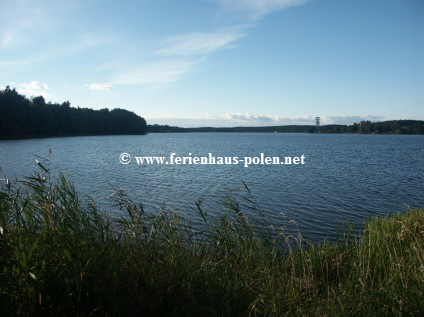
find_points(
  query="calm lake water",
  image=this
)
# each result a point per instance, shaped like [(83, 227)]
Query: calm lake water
[(344, 178)]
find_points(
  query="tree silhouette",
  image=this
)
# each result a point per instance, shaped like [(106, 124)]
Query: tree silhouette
[(21, 117)]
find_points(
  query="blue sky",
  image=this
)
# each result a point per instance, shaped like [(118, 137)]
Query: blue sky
[(220, 62)]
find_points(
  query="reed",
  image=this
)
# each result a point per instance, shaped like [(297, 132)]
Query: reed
[(63, 256)]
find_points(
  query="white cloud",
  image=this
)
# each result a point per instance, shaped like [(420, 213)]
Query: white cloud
[(99, 86), (252, 120), (309, 120), (258, 8), (157, 74), (201, 42), (34, 88), (247, 116), (348, 119)]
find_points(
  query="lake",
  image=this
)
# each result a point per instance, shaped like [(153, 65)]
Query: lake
[(343, 178)]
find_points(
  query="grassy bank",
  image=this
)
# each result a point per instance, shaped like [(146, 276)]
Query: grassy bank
[(63, 256)]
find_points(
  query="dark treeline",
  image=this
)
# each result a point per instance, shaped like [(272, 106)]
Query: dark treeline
[(364, 127), (384, 127), (164, 128), (21, 117)]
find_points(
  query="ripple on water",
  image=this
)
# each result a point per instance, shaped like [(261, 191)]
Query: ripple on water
[(346, 177)]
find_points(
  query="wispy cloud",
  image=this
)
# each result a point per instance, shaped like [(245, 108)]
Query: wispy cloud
[(256, 9), (72, 47), (158, 74), (184, 53), (34, 88), (32, 32), (201, 43), (99, 86), (180, 56), (17, 19), (23, 21)]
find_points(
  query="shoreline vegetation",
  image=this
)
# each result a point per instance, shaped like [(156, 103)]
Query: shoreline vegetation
[(363, 127), (63, 256), (22, 118)]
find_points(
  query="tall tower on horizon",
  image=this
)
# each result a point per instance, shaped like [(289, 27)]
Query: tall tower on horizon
[(317, 124)]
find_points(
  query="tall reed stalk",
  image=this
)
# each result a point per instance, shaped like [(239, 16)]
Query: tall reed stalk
[(63, 256)]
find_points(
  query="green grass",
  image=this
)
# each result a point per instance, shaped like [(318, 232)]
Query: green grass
[(62, 256)]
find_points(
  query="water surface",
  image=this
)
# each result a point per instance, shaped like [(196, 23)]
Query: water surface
[(344, 178)]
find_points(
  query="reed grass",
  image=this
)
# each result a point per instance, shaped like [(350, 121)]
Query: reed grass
[(63, 256)]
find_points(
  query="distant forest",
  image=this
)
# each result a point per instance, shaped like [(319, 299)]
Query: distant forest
[(364, 127), (21, 117)]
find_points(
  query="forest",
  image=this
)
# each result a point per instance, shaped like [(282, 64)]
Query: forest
[(363, 127), (21, 117)]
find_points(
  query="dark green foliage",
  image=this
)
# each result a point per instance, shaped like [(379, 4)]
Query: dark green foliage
[(64, 257), (364, 127), (22, 118), (163, 128)]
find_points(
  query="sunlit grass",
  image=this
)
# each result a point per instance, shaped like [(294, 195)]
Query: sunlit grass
[(63, 256)]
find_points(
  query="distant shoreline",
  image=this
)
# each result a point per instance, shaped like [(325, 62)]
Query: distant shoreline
[(23, 118), (400, 127), (364, 127)]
